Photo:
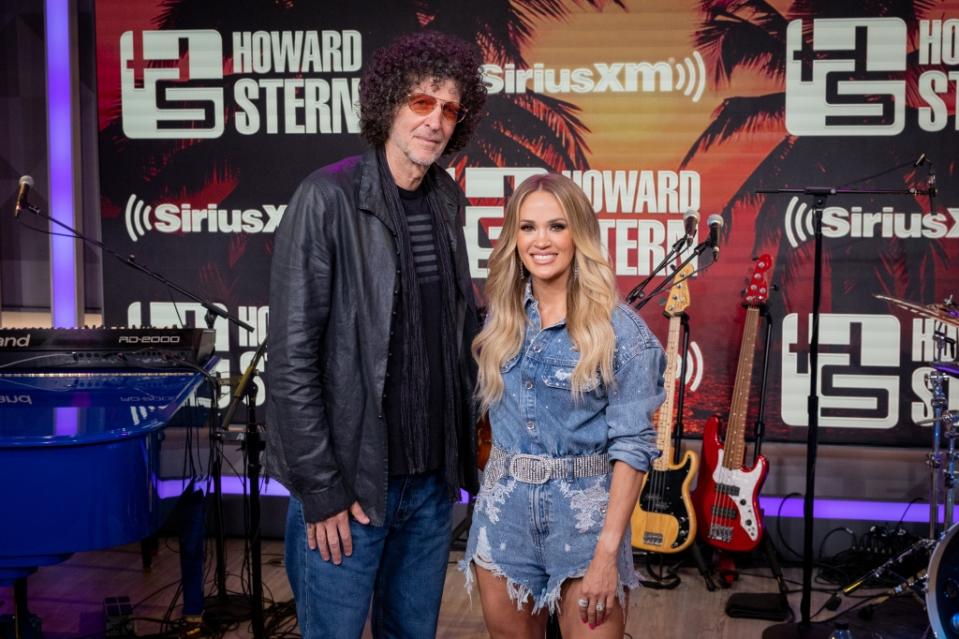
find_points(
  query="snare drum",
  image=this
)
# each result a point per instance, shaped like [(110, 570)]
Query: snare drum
[(942, 588)]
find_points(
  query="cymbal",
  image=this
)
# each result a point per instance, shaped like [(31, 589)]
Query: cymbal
[(948, 417), (941, 312), (949, 368)]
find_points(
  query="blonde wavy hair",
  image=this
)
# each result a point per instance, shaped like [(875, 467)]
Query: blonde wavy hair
[(591, 294)]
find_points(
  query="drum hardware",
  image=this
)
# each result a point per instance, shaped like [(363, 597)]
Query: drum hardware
[(940, 581), (943, 426), (947, 313), (920, 546), (942, 587)]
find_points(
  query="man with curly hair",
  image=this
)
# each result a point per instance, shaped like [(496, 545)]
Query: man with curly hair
[(370, 412)]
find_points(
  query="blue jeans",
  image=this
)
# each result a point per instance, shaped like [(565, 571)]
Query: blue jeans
[(400, 565)]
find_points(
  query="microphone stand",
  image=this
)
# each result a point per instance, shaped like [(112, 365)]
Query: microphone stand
[(637, 292), (804, 627), (212, 312), (638, 299), (254, 445)]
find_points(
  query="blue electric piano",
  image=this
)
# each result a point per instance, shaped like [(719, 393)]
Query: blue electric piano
[(83, 419)]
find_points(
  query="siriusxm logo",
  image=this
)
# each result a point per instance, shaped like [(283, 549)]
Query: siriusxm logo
[(694, 366), (665, 76), (855, 222), (141, 218)]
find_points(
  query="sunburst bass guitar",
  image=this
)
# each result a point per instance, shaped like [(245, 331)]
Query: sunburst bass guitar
[(664, 520)]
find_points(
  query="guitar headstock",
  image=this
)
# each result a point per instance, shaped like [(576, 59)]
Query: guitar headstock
[(678, 299), (757, 291)]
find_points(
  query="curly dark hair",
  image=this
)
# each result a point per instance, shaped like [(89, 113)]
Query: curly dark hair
[(409, 60)]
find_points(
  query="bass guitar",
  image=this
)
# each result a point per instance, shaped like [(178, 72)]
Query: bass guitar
[(727, 495), (663, 520)]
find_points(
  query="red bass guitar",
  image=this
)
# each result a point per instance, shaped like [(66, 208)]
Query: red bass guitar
[(727, 495)]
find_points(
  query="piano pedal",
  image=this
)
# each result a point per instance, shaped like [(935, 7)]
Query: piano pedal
[(31, 630), (149, 547), (118, 618)]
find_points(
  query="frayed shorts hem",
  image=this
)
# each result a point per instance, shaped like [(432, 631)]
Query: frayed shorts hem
[(550, 599)]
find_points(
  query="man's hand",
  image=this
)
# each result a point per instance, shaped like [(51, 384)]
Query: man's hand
[(332, 535)]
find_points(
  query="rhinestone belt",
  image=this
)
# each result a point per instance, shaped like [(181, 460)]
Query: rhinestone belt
[(538, 469)]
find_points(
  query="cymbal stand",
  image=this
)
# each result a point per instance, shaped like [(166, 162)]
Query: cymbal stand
[(949, 479), (936, 383)]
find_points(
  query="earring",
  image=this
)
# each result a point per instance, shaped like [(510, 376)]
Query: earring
[(575, 270), (523, 273)]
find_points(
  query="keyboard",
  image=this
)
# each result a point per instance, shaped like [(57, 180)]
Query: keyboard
[(52, 349)]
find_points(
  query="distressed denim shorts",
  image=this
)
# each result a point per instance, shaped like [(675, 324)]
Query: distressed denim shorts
[(537, 536)]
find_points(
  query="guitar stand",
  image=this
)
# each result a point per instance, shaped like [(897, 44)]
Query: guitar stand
[(769, 606), (695, 550), (774, 566), (697, 553)]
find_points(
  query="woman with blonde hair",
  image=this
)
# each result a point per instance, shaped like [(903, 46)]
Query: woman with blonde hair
[(570, 378)]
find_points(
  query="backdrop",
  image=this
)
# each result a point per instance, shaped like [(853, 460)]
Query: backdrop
[(211, 112)]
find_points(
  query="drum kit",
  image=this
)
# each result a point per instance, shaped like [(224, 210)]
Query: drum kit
[(940, 580)]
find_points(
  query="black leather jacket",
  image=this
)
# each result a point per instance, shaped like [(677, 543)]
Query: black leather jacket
[(332, 287)]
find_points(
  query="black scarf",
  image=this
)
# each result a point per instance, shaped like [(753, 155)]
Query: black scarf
[(414, 386)]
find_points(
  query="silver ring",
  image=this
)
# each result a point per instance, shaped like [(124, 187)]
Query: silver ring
[(583, 603), (600, 606)]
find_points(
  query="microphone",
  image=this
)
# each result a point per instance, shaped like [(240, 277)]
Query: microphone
[(921, 160), (691, 221), (715, 223), (26, 183)]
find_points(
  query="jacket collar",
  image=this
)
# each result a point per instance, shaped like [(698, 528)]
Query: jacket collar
[(370, 195)]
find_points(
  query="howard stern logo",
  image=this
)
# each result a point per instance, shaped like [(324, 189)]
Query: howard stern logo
[(140, 218), (848, 77), (855, 222), (665, 76), (172, 83)]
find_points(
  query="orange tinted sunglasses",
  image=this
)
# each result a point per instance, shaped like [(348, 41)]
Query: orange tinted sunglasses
[(423, 104)]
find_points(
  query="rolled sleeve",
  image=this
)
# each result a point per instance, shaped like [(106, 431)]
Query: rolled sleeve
[(638, 392)]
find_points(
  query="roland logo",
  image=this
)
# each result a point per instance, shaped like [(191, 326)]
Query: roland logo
[(16, 399), (15, 342), (149, 339)]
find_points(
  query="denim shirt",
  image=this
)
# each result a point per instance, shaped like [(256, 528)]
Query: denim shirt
[(539, 415)]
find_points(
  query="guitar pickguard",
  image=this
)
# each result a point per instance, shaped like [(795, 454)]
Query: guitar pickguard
[(741, 489)]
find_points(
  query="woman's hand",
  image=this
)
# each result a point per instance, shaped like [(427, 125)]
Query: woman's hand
[(599, 586)]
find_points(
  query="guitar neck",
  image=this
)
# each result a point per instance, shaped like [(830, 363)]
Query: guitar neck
[(735, 443), (664, 424)]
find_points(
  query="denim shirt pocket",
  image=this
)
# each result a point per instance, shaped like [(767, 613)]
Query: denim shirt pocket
[(560, 376)]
